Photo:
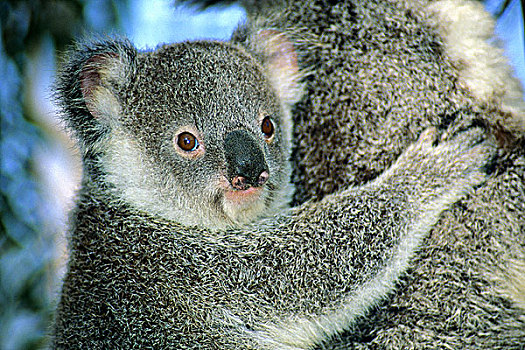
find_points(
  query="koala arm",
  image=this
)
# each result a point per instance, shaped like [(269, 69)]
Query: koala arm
[(292, 281)]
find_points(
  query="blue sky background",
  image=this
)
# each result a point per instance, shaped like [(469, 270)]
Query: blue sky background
[(151, 22), (510, 30)]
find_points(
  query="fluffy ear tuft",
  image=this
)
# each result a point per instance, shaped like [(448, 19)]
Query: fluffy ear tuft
[(280, 61), (94, 80), (88, 85), (96, 77)]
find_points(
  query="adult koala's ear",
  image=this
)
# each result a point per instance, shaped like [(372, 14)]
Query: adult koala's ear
[(280, 61), (88, 87)]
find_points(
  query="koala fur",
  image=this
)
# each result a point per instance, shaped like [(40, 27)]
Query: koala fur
[(174, 243), (378, 73)]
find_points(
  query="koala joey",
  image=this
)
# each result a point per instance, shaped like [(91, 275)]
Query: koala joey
[(181, 236)]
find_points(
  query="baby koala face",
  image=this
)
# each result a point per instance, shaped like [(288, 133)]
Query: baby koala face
[(197, 132)]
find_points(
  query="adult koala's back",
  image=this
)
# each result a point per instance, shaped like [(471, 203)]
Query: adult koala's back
[(381, 72)]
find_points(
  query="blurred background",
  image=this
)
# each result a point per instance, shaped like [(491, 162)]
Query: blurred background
[(39, 167)]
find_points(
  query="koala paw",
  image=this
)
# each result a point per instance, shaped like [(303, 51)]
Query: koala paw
[(461, 160)]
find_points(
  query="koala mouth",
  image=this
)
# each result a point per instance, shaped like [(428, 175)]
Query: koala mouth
[(242, 196), (243, 190), (242, 205)]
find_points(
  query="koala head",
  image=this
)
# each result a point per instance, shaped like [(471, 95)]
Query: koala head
[(195, 132)]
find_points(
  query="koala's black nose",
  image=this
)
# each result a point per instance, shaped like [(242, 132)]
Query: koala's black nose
[(246, 164)]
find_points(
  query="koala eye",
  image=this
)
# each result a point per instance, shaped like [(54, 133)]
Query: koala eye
[(267, 127), (187, 142)]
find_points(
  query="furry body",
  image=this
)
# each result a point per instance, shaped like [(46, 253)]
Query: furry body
[(166, 254), (380, 72)]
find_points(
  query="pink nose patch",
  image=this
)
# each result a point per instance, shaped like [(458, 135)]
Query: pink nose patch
[(240, 182)]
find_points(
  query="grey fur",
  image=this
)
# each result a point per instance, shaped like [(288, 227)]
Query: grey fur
[(380, 73), (145, 273)]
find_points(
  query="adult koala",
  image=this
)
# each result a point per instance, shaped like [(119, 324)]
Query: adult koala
[(380, 72)]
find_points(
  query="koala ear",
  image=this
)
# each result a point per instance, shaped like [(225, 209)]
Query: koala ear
[(99, 78), (88, 86), (280, 61)]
